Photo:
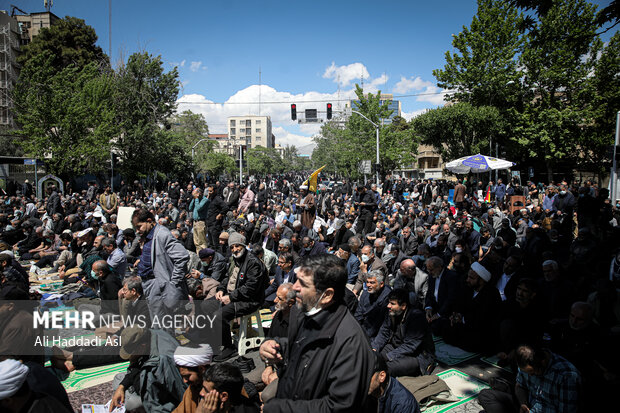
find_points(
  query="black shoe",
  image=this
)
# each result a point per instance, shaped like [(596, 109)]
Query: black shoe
[(226, 354), (245, 364)]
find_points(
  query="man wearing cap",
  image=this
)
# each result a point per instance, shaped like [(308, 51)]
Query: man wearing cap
[(214, 267), (162, 266), (192, 363), (307, 207), (351, 263), (152, 380), (474, 324), (241, 292)]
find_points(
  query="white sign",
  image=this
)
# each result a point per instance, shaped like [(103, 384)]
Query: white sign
[(123, 221), (366, 167)]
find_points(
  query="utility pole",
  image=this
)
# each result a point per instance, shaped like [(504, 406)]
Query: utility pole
[(377, 130), (240, 164)]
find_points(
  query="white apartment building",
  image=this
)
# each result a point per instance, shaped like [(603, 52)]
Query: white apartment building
[(250, 130)]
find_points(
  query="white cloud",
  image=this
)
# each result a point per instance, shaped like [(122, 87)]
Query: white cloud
[(345, 74), (410, 115), (277, 103), (178, 64), (405, 85), (429, 92), (274, 103), (195, 66)]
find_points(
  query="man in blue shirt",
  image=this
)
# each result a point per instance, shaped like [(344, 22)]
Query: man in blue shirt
[(392, 396), (199, 207)]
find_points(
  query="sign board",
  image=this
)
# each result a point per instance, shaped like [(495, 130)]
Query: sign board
[(451, 196), (123, 221), (530, 172), (33, 162), (47, 181), (366, 167)]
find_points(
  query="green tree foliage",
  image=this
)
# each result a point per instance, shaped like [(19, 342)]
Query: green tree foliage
[(217, 163), (557, 62), (189, 128), (264, 161), (70, 41), (459, 130), (145, 99), (342, 149), (486, 65), (66, 116)]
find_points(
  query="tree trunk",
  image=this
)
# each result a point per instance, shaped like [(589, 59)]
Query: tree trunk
[(549, 173)]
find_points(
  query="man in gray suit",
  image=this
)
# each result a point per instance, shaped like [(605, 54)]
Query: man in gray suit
[(162, 266)]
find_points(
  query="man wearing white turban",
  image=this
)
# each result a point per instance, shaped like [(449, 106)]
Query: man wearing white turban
[(16, 396), (192, 363)]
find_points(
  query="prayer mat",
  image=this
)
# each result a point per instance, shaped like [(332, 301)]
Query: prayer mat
[(493, 360), (266, 317), (451, 355), (462, 386), (83, 379)]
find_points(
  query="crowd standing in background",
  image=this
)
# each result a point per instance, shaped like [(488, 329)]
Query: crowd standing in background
[(360, 278)]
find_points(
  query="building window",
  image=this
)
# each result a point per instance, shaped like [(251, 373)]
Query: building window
[(257, 130), (248, 123), (232, 122), (258, 121), (232, 131), (242, 130)]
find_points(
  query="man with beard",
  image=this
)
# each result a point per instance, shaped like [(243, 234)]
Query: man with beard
[(405, 340), (307, 207), (372, 307), (316, 370), (192, 363), (474, 324), (414, 280), (285, 299), (240, 293), (215, 215)]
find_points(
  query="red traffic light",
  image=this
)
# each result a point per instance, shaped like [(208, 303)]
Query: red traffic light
[(329, 111), (293, 111)]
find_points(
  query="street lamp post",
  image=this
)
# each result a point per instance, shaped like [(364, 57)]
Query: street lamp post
[(197, 143), (377, 130)]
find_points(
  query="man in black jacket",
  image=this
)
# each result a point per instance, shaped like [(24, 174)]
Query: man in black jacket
[(441, 296), (405, 341), (474, 325), (215, 216), (316, 369), (372, 307), (240, 293)]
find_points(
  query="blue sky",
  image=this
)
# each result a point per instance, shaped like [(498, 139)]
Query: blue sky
[(305, 50)]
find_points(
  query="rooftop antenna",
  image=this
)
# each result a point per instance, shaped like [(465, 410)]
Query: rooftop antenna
[(48, 4), (338, 81)]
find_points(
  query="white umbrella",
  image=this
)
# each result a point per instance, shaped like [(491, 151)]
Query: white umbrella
[(477, 163)]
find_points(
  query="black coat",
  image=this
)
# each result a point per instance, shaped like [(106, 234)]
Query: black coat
[(411, 337), (278, 280), (333, 371), (371, 311), (446, 296), (217, 207), (251, 281)]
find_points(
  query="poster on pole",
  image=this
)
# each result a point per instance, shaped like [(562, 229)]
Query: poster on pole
[(123, 220)]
